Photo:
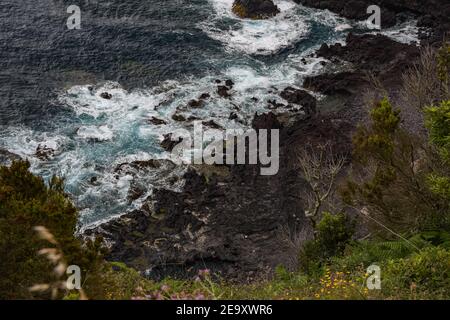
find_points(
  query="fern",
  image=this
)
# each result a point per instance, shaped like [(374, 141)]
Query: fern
[(435, 238)]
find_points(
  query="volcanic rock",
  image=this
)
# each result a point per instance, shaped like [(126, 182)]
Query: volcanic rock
[(106, 95), (255, 9)]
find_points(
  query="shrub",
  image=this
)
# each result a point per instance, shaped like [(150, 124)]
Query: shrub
[(389, 173), (438, 123), (25, 202), (438, 181), (423, 275), (333, 233)]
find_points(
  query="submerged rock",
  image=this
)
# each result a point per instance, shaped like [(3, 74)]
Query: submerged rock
[(255, 9)]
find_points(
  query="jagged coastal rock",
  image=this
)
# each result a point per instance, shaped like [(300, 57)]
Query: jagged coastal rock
[(431, 14), (255, 9), (227, 218)]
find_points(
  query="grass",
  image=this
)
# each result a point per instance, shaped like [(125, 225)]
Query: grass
[(418, 275)]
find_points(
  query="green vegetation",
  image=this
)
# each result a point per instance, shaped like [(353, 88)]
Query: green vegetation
[(333, 234), (27, 202)]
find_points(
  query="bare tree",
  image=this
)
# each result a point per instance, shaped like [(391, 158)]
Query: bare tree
[(320, 168), (422, 85)]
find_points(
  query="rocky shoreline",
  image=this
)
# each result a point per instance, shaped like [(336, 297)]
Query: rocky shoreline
[(234, 221), (432, 15)]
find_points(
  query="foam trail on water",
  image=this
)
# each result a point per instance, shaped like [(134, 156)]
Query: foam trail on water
[(256, 36)]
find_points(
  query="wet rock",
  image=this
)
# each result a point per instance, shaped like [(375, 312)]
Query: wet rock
[(207, 224), (131, 167), (229, 83), (168, 144), (106, 95), (204, 96), (135, 192), (195, 103), (156, 121), (300, 97), (233, 116), (178, 117), (212, 124), (223, 91), (44, 153), (430, 14), (193, 118), (273, 104), (255, 9)]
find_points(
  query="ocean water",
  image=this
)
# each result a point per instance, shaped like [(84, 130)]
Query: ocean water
[(153, 57)]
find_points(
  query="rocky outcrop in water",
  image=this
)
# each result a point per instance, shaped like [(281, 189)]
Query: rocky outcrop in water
[(44, 152), (255, 9)]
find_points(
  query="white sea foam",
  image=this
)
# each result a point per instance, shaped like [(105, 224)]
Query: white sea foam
[(101, 133), (407, 32), (257, 36)]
